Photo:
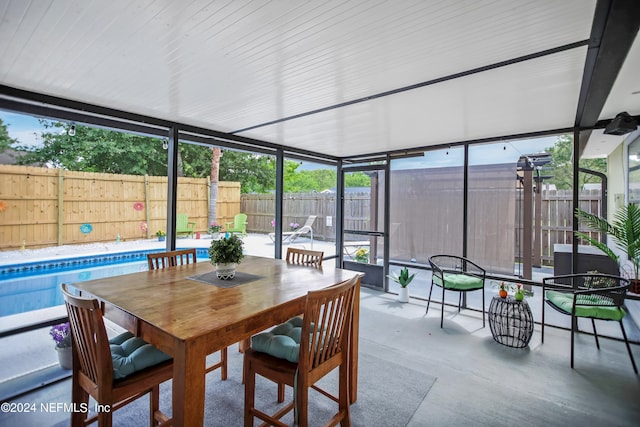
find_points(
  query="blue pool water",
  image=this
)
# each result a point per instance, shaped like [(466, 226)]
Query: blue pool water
[(35, 285)]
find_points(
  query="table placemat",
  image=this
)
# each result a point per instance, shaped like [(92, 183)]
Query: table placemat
[(212, 279)]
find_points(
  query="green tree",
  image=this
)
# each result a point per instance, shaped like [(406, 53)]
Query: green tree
[(561, 165), (256, 172), (5, 140), (97, 150)]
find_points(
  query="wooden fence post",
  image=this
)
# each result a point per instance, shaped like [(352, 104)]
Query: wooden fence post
[(146, 204), (60, 206)]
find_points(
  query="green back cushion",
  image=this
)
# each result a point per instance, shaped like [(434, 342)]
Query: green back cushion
[(132, 354), (458, 281), (282, 342), (564, 302)]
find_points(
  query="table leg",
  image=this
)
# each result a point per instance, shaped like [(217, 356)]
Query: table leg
[(188, 386)]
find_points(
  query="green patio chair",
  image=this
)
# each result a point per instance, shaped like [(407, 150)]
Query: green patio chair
[(184, 226), (458, 274), (239, 224), (588, 296)]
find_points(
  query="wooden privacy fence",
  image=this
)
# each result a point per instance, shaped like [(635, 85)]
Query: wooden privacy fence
[(36, 214), (556, 219), (48, 207)]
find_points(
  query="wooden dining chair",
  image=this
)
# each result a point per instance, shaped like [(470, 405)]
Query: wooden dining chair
[(294, 256), (170, 259), (303, 350), (160, 260), (304, 257), (113, 372)]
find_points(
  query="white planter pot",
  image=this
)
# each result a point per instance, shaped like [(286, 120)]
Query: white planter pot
[(215, 236), (226, 271), (65, 357), (403, 295)]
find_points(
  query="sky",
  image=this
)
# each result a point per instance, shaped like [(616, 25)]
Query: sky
[(27, 130)]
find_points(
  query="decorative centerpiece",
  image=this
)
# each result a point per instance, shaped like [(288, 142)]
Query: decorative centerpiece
[(61, 334), (161, 235), (403, 279), (503, 290), (214, 230), (226, 254), (519, 295)]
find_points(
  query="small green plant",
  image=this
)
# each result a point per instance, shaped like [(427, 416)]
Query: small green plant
[(362, 255), (214, 228), (403, 278), (160, 233), (226, 250)]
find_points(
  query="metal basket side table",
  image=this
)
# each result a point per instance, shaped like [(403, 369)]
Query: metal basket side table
[(511, 321)]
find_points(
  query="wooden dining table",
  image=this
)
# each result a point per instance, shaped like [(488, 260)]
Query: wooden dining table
[(189, 319)]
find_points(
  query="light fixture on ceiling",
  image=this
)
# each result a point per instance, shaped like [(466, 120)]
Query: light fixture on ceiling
[(165, 143), (622, 124), (72, 130)]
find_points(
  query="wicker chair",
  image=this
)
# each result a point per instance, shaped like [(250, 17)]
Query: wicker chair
[(455, 273), (321, 346), (591, 296)]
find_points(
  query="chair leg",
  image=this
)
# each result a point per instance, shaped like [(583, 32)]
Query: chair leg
[(483, 310), (223, 361), (280, 392), (442, 309), (595, 333), (343, 395), (78, 396), (626, 341), (154, 404), (542, 326), (429, 299), (301, 407), (574, 323)]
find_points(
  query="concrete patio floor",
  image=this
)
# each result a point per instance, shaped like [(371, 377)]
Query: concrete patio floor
[(478, 381)]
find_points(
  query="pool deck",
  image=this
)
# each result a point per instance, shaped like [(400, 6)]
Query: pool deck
[(254, 244)]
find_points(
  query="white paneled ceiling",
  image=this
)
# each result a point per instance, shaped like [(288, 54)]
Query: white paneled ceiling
[(311, 74)]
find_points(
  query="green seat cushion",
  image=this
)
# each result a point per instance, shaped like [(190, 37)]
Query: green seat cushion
[(586, 306), (131, 354), (459, 281), (282, 342)]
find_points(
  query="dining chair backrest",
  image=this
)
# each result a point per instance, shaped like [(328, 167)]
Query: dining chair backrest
[(89, 337), (324, 345), (326, 326), (171, 259), (304, 257)]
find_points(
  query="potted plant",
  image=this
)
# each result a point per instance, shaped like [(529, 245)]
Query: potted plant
[(403, 279), (214, 230), (519, 295), (226, 254), (624, 231), (503, 290), (161, 235), (61, 334)]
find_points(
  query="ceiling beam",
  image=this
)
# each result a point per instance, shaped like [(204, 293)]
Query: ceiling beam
[(615, 27)]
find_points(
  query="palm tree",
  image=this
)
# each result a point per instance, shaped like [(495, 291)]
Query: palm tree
[(213, 191), (624, 230)]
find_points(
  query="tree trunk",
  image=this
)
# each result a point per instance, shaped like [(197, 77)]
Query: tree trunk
[(213, 194)]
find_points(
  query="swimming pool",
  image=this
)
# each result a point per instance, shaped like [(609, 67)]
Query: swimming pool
[(35, 285)]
